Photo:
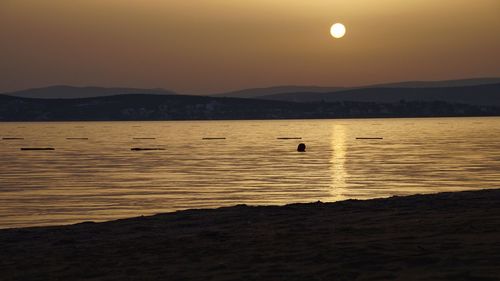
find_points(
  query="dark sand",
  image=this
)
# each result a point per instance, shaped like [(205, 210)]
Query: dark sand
[(450, 236)]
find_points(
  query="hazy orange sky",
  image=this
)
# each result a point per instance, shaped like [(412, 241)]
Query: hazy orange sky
[(199, 46)]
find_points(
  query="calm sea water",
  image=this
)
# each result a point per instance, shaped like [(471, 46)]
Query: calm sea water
[(102, 179)]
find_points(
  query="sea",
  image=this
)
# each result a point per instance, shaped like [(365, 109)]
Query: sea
[(100, 171)]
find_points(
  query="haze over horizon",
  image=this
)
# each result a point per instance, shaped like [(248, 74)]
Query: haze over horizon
[(219, 45)]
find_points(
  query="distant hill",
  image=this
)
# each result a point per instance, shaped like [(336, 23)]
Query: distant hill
[(258, 92), (288, 93), (475, 95), (285, 93), (183, 107), (438, 84), (70, 92)]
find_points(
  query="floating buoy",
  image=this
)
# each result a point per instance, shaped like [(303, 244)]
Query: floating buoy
[(301, 147)]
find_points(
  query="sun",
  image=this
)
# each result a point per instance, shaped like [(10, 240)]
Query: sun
[(338, 30)]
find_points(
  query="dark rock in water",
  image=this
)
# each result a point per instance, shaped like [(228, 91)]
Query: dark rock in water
[(301, 148), (37, 148)]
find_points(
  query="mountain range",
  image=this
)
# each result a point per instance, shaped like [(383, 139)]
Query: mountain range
[(289, 93), (285, 93), (408, 99), (72, 92), (135, 107), (488, 94)]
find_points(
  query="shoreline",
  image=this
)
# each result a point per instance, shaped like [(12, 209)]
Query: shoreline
[(445, 236), (253, 119)]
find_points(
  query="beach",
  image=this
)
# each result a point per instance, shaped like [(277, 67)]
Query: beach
[(447, 236)]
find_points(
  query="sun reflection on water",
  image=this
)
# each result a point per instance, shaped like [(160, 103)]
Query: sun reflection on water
[(338, 161)]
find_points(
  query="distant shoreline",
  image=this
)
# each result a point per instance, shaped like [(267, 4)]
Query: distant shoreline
[(276, 119), (452, 102), (447, 236)]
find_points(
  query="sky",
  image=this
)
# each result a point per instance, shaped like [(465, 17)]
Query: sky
[(209, 46)]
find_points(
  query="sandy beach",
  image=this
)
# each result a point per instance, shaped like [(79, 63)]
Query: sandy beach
[(448, 236)]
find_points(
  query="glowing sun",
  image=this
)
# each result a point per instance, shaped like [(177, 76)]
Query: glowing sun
[(338, 30)]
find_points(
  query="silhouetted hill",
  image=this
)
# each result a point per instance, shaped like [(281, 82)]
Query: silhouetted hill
[(70, 92), (178, 107), (474, 95), (285, 92), (437, 84), (258, 92)]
